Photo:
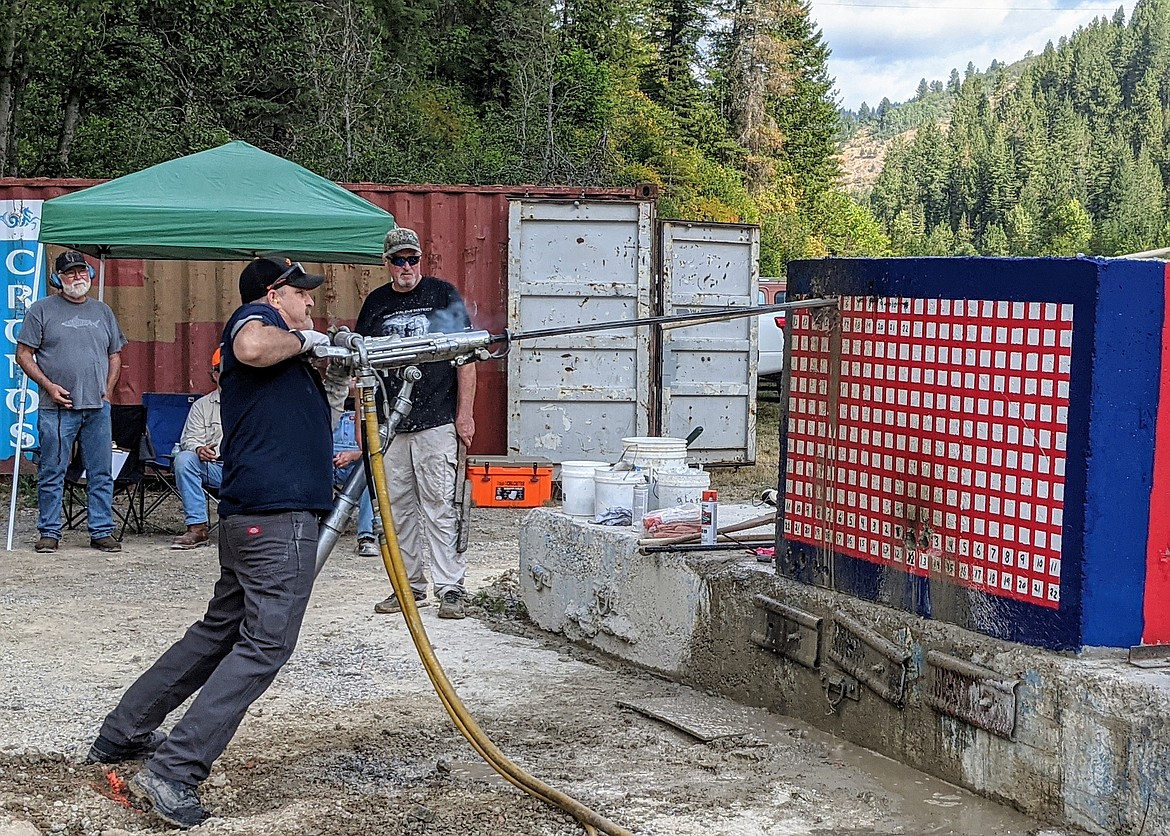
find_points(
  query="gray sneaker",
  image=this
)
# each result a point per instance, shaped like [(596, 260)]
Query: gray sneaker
[(452, 606), (391, 605), (368, 548), (171, 801)]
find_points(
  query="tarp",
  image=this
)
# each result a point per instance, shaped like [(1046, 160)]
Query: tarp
[(232, 203)]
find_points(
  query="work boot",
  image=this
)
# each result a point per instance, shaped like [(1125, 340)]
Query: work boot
[(46, 545), (106, 544), (391, 604), (195, 536), (452, 606), (103, 751), (173, 802), (368, 547)]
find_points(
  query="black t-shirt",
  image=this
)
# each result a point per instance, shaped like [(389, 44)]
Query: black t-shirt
[(277, 443), (433, 307)]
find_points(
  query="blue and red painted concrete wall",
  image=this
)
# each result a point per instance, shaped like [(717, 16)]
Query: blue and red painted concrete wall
[(986, 442)]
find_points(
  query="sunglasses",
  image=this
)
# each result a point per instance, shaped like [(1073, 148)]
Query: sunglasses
[(403, 260), (288, 275)]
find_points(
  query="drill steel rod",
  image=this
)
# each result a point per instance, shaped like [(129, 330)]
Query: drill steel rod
[(673, 320)]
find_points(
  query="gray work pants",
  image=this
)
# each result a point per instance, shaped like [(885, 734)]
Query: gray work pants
[(231, 656)]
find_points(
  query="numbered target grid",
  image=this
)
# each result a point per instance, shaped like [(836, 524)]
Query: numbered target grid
[(940, 448)]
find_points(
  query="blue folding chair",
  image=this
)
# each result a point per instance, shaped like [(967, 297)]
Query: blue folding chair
[(166, 413)]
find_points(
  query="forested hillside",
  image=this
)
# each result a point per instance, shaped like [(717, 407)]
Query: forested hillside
[(1071, 156), (726, 105)]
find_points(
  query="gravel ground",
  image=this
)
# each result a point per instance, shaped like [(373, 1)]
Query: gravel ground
[(351, 739)]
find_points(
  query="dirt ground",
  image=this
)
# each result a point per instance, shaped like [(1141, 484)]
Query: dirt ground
[(351, 739)]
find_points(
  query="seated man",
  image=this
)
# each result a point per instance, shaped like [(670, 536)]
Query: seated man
[(197, 462), (347, 455)]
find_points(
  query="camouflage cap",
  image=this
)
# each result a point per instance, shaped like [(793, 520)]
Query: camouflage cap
[(400, 238)]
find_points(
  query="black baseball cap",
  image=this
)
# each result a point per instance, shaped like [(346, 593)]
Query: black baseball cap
[(273, 272), (69, 259)]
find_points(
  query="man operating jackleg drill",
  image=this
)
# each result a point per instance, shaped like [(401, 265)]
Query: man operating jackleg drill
[(278, 467)]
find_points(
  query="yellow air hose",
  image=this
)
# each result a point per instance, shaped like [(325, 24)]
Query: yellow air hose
[(392, 559)]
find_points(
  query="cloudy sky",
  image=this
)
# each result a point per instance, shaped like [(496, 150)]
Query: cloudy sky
[(883, 47)]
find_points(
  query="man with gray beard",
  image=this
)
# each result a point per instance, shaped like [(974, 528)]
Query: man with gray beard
[(70, 346), (421, 463)]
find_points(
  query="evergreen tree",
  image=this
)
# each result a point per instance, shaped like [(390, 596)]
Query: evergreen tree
[(908, 232), (940, 240), (807, 115), (1020, 228), (995, 241)]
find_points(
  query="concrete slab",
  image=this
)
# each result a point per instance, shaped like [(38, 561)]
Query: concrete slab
[(1089, 734)]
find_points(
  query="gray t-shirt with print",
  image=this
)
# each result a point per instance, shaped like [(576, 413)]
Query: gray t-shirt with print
[(73, 343)]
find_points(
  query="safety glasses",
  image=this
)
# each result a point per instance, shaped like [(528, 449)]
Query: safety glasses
[(294, 270), (403, 260)]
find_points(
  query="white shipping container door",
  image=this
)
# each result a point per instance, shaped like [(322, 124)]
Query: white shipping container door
[(573, 263), (708, 371)]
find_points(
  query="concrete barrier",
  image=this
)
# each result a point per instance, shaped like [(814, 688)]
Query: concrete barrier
[(1076, 740)]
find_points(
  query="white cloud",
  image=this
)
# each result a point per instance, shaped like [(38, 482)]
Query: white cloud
[(883, 47)]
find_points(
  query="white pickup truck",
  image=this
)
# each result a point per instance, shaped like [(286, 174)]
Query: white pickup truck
[(770, 363)]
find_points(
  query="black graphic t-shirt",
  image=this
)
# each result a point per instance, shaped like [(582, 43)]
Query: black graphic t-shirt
[(433, 307)]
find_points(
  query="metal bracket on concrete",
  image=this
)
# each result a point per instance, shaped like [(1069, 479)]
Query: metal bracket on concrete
[(870, 657), (974, 694), (1150, 656), (789, 632), (838, 686), (541, 577), (605, 599)]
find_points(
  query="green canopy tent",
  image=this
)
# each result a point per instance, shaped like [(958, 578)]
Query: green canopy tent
[(234, 202)]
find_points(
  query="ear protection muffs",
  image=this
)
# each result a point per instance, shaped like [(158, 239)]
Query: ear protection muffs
[(55, 280)]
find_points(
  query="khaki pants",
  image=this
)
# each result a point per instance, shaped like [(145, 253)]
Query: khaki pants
[(420, 476)]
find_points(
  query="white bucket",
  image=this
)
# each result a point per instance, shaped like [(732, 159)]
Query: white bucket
[(680, 487), (577, 487), (654, 453), (614, 489)]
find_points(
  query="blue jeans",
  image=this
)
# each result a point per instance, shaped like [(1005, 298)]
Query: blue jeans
[(59, 429), (365, 520), (190, 477)]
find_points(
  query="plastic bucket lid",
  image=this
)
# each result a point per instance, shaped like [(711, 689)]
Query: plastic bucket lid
[(605, 476), (654, 444), (580, 468), (655, 452)]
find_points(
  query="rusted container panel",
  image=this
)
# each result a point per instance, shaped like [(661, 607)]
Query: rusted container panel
[(172, 311)]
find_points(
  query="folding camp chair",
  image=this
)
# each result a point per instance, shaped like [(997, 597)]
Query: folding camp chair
[(166, 413), (131, 449)]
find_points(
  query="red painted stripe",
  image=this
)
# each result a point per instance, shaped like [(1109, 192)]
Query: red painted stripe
[(1157, 597)]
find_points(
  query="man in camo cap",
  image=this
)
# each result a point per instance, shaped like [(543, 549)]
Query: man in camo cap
[(421, 464)]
